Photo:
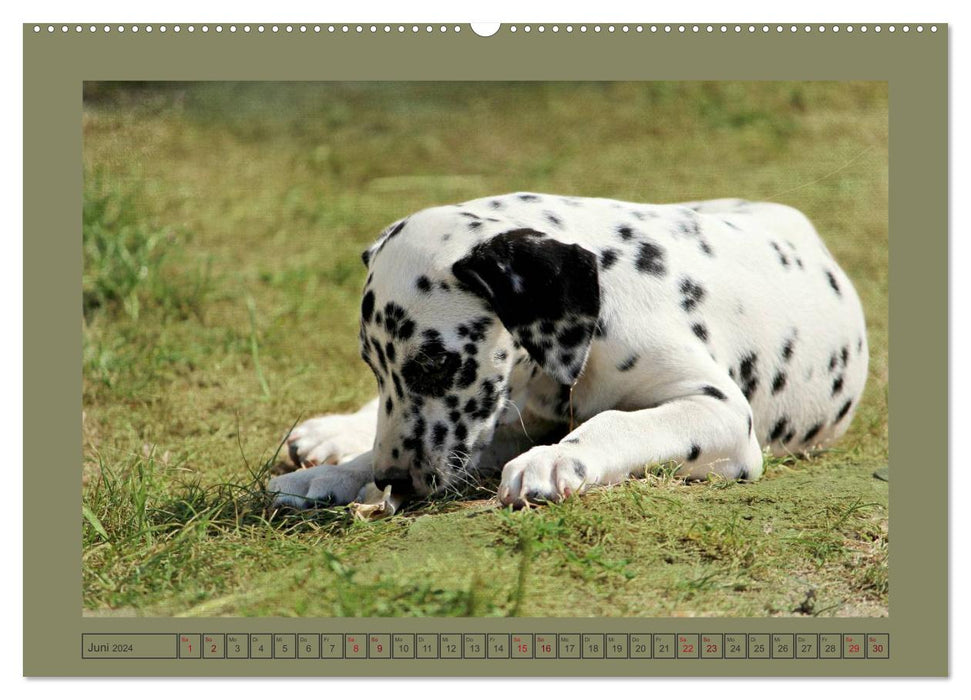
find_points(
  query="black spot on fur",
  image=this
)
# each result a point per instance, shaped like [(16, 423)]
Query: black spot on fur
[(837, 385), (529, 198), (692, 294), (628, 363), (431, 371), (461, 432), (397, 386), (749, 389), (537, 352), (750, 424), (389, 351), (709, 390), (572, 336), (469, 372), (488, 399), (397, 229), (479, 326), (845, 355), (380, 353), (367, 306), (832, 283), (813, 432), (451, 401), (699, 330), (650, 259), (454, 416), (787, 349), (706, 249), (694, 453), (779, 382), (625, 232), (395, 453), (689, 225), (496, 204), (844, 410), (778, 429), (419, 427), (782, 256), (553, 219), (746, 374), (388, 406), (471, 348), (608, 256), (788, 438), (444, 286), (439, 433), (571, 441), (471, 406), (423, 284), (394, 317)]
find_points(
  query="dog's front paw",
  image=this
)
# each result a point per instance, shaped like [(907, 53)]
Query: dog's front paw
[(544, 473), (333, 439), (326, 485)]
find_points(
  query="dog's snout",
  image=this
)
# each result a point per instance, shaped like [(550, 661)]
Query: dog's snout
[(400, 484)]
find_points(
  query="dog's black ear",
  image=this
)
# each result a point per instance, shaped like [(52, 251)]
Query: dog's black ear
[(545, 292)]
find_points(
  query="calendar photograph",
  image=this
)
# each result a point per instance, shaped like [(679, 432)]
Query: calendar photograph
[(481, 349)]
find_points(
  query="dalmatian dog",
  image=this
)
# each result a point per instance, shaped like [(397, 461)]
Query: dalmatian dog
[(573, 342)]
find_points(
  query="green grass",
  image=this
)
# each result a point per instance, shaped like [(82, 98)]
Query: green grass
[(222, 229)]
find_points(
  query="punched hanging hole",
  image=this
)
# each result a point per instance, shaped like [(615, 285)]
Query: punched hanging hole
[(485, 28)]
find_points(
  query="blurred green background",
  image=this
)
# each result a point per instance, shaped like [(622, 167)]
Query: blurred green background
[(222, 229)]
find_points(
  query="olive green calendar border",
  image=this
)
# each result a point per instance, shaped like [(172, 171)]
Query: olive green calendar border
[(914, 65)]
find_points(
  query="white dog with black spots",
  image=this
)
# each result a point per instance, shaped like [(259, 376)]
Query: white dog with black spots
[(575, 342)]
